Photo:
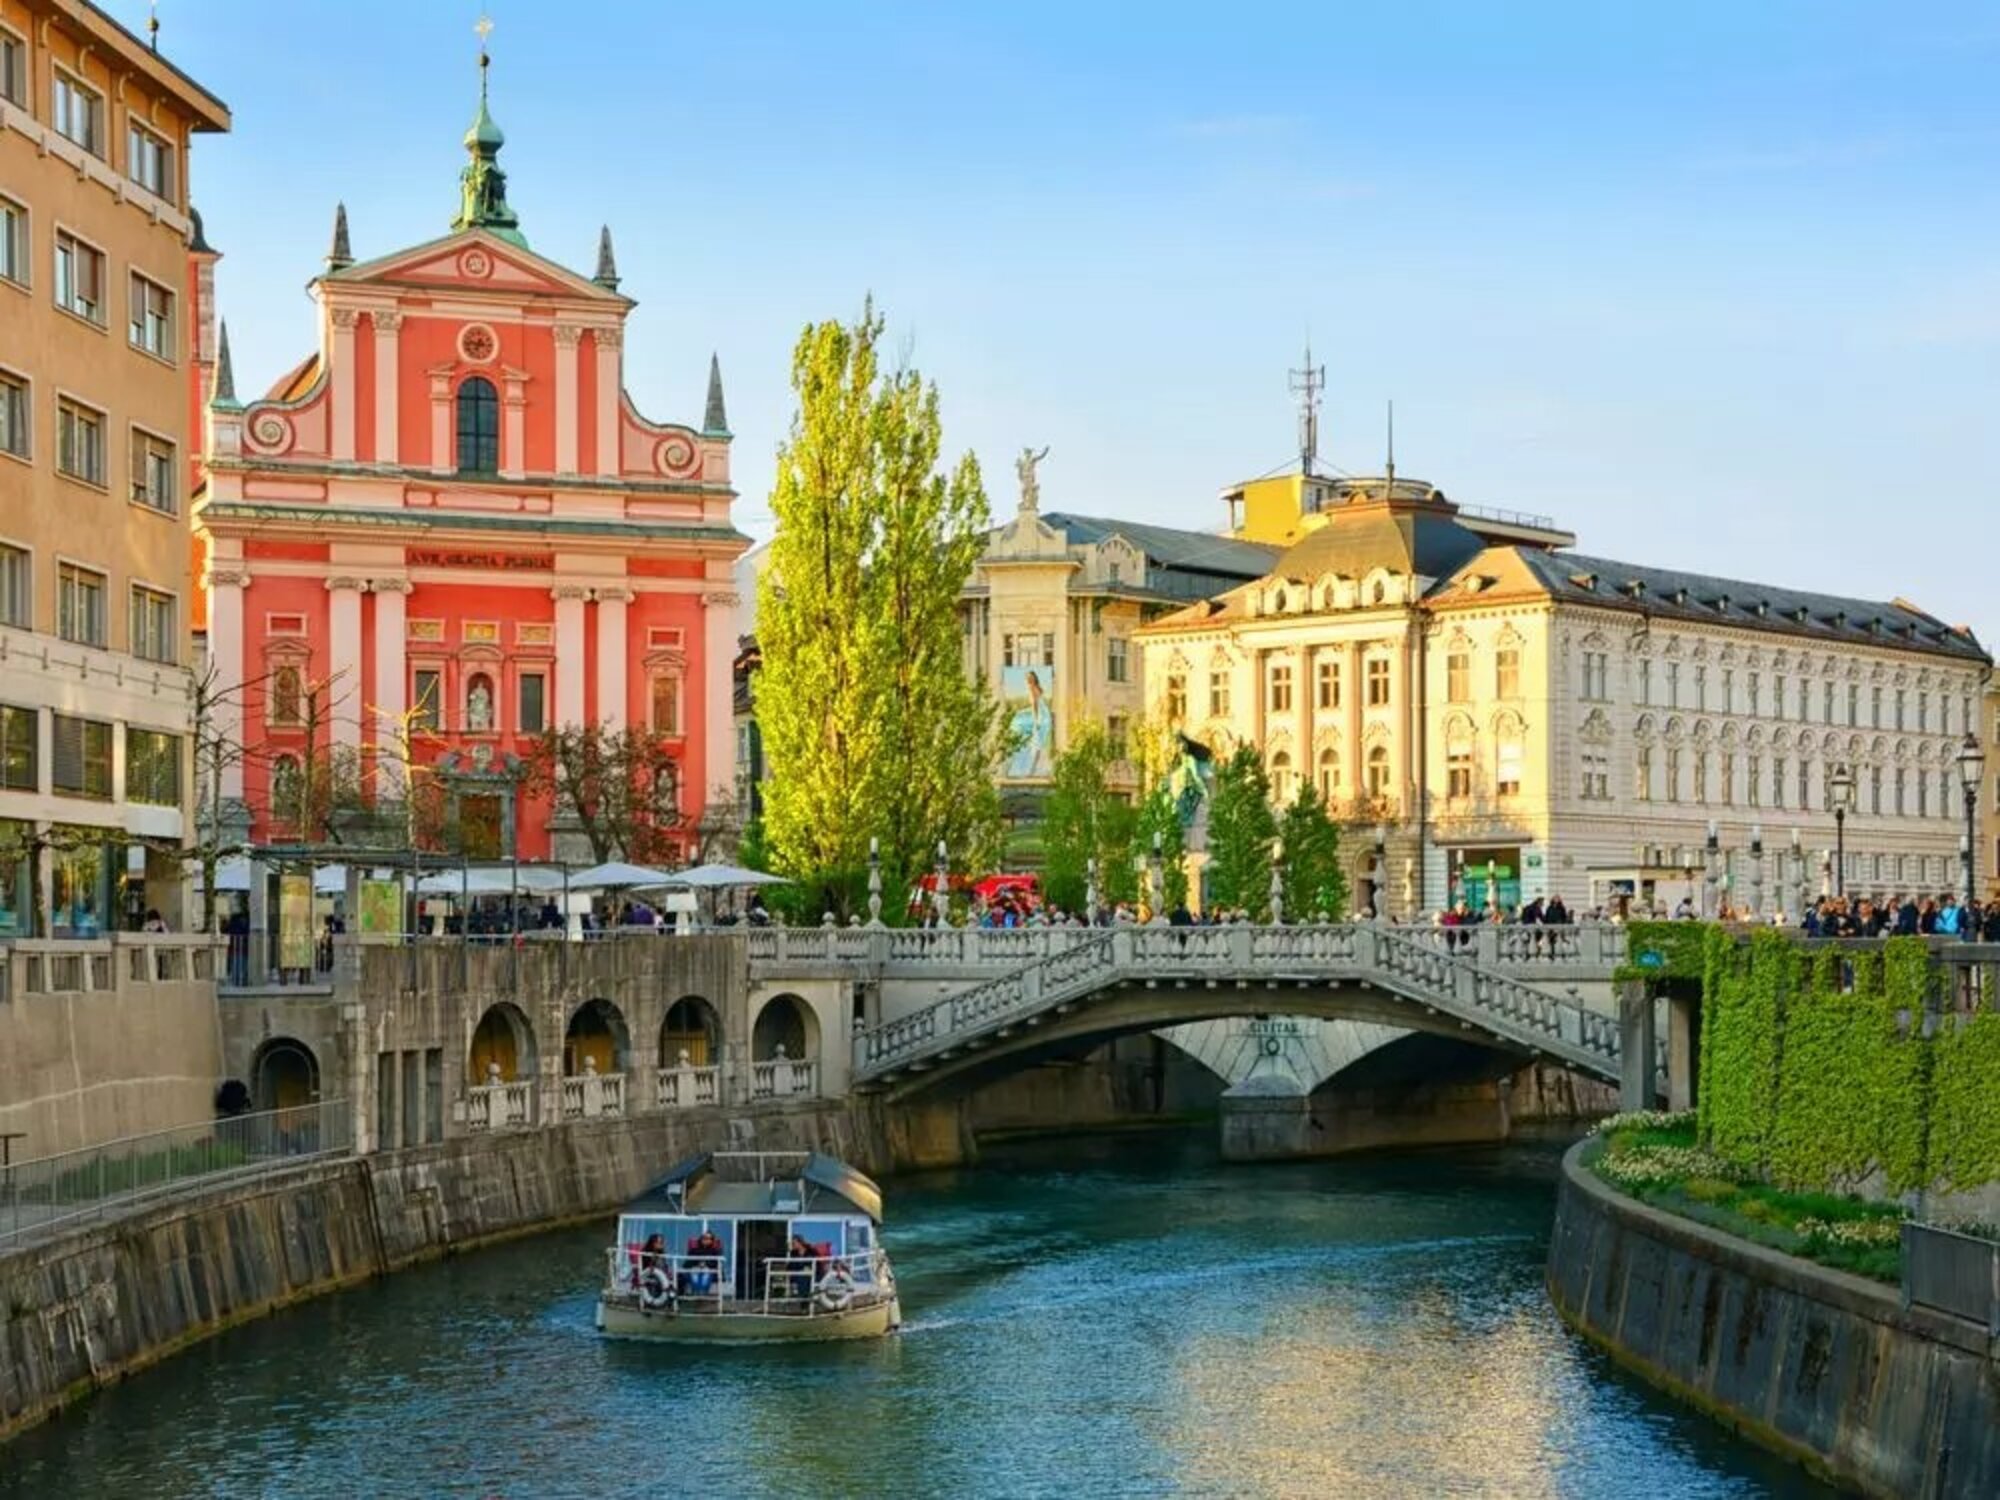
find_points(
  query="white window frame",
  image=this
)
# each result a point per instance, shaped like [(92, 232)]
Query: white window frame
[(77, 564), (27, 385), (137, 323), (18, 94), (521, 676), (63, 232), (133, 590), (164, 148), (138, 444), (67, 398), (23, 248), (27, 554), (98, 117)]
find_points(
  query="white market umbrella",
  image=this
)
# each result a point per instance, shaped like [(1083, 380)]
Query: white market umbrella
[(722, 877), (490, 882), (233, 874), (619, 876)]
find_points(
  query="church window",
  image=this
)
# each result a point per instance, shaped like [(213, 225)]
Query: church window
[(1756, 780), (1673, 773), (1642, 784), (1701, 776), (1902, 788), (1594, 675), (1729, 780), (534, 702), (428, 699), (1596, 777), (478, 427), (1777, 781)]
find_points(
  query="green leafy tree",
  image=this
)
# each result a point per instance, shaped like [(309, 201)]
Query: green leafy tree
[(1157, 814), (1083, 819), (1241, 828), (1309, 863), (871, 725)]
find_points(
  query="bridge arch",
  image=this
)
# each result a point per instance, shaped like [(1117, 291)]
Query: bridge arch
[(694, 1027), (503, 1045), (284, 1074), (596, 1039)]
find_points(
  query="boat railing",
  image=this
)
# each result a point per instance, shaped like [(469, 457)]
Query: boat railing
[(790, 1286)]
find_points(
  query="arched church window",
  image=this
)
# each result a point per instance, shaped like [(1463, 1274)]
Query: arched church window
[(478, 427)]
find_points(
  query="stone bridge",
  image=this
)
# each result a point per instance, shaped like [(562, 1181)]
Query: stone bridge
[(440, 1037)]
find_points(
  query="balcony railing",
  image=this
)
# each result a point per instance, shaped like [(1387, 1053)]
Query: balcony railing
[(500, 1106), (688, 1087)]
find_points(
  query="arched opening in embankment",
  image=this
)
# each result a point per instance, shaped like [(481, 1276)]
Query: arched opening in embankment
[(785, 1027), (284, 1074), (691, 1034), (503, 1046), (596, 1040)]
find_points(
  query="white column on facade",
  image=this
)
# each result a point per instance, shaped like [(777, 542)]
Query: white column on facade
[(1399, 739), (225, 650), (345, 690), (343, 319), (513, 423), (718, 724), (1352, 688), (611, 656), (570, 667), (567, 335), (443, 459), (388, 698), (610, 390), (388, 443)]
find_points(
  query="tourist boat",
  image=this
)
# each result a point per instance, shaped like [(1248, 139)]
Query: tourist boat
[(747, 1245)]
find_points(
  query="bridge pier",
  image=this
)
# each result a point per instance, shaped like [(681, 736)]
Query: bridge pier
[(1637, 1045), (1266, 1117), (1269, 1118)]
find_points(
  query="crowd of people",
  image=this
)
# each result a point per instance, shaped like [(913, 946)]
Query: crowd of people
[(1904, 916)]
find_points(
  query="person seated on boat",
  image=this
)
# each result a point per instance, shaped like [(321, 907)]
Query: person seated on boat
[(800, 1269), (704, 1264), (652, 1253)]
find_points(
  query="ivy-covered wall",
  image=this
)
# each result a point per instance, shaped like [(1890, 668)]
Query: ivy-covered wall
[(1822, 1067), (1664, 950)]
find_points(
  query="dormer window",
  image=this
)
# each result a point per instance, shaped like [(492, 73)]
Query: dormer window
[(1636, 587), (1680, 596)]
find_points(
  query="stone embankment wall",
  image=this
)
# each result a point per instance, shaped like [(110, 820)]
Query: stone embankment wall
[(83, 1311), (103, 1040), (1826, 1368)]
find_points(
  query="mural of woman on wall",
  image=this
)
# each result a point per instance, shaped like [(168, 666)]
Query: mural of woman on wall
[(1034, 721)]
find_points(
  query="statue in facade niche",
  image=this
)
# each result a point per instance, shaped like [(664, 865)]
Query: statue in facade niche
[(479, 707), (1031, 487)]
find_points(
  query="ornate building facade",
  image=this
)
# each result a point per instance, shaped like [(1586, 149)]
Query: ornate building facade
[(1504, 718), (449, 530), (97, 131)]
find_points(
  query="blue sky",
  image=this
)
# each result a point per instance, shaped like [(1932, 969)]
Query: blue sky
[(1717, 285)]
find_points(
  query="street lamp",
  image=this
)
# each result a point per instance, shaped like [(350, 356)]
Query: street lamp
[(1840, 784), (1711, 858), (1756, 870), (1971, 766)]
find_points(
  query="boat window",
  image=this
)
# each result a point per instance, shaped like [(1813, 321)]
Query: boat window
[(829, 1232)]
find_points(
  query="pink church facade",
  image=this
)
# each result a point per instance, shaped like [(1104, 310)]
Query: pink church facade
[(450, 530)]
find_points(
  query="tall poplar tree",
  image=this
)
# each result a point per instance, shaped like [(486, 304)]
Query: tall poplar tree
[(1309, 859), (871, 725), (1240, 832)]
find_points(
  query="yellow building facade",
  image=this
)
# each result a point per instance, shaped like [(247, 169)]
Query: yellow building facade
[(1498, 718), (97, 350)]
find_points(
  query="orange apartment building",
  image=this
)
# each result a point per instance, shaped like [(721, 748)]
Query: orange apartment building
[(97, 351)]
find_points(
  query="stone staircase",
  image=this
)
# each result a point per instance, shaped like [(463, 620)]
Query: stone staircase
[(1436, 975)]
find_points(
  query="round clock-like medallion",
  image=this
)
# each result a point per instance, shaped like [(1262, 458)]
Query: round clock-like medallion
[(476, 263), (477, 343)]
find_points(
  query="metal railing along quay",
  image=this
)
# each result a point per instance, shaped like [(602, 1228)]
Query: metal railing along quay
[(57, 1193)]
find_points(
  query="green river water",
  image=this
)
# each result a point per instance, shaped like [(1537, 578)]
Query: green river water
[(1094, 1316)]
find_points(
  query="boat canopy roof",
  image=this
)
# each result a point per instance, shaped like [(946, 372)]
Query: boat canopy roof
[(761, 1184)]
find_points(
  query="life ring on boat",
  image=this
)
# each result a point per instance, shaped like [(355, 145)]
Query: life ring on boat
[(656, 1290), (835, 1291)]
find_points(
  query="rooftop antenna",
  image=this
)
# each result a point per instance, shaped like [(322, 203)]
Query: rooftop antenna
[(1307, 384), (1390, 488)]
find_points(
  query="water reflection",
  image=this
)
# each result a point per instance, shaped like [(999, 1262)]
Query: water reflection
[(1102, 1318)]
